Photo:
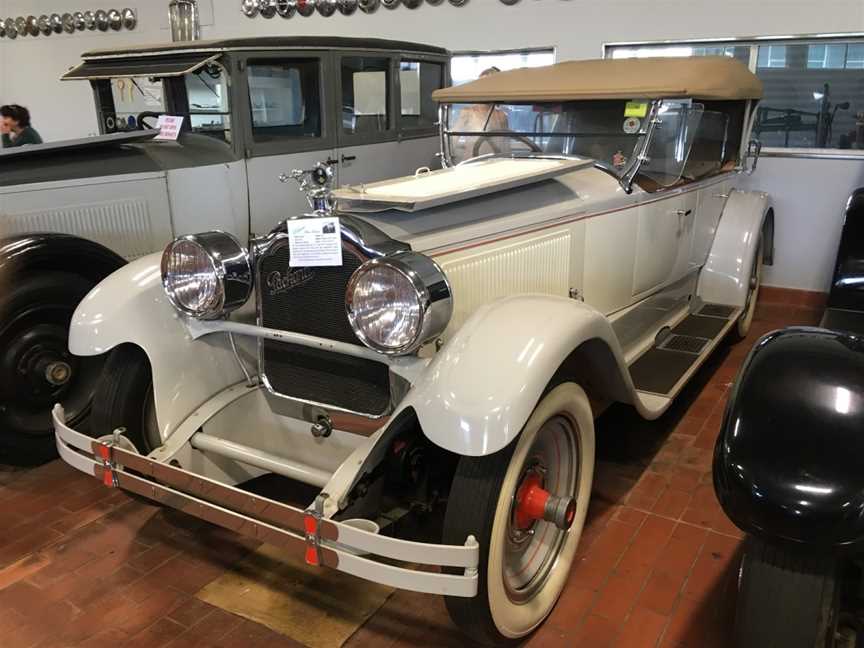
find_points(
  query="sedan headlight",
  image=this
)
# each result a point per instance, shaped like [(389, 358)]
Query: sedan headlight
[(398, 303), (206, 275)]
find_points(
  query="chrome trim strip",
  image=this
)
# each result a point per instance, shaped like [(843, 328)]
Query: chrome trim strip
[(200, 328)]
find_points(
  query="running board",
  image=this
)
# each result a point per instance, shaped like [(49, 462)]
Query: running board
[(665, 368)]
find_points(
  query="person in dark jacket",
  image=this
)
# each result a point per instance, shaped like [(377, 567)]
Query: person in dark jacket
[(15, 128)]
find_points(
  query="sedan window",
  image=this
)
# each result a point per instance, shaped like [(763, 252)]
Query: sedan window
[(285, 100)]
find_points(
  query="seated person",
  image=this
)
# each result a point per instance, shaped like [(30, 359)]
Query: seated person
[(15, 128), (477, 118)]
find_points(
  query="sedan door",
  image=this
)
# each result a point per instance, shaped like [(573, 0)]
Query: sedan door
[(288, 128), (385, 130)]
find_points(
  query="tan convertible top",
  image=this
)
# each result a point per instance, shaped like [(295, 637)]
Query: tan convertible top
[(709, 77)]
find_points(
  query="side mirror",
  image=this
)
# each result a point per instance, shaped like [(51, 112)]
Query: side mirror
[(754, 150)]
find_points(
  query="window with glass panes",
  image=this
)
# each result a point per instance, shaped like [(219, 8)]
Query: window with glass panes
[(814, 87)]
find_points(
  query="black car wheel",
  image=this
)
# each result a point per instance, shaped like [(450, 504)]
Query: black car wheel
[(786, 598), (124, 399), (36, 368)]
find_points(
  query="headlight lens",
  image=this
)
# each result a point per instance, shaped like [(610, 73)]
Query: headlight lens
[(206, 275), (396, 304)]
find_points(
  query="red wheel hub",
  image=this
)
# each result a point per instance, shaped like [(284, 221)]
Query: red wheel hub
[(533, 502)]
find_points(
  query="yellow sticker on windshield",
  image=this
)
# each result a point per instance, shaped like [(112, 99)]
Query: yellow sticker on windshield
[(635, 109)]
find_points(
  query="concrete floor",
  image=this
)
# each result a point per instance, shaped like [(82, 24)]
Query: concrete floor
[(82, 565)]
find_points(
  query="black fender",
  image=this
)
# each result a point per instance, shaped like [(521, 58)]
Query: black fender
[(847, 284), (788, 461), (58, 252)]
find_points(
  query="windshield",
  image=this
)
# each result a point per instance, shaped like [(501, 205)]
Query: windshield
[(206, 90), (606, 131)]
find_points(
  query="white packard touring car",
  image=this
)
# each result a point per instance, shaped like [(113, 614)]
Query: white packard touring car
[(443, 341)]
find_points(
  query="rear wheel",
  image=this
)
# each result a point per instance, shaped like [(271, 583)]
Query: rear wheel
[(36, 368), (124, 399), (526, 506), (786, 599), (755, 283)]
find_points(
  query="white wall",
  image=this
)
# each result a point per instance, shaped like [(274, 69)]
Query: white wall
[(30, 67), (809, 201), (809, 193)]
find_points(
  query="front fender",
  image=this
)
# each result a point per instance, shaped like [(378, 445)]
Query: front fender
[(725, 279), (787, 465), (482, 386), (130, 307)]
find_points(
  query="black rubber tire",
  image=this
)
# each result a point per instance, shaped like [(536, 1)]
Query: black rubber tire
[(471, 510), (786, 598), (125, 384), (34, 444)]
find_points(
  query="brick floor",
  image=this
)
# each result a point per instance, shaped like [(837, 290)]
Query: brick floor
[(81, 565)]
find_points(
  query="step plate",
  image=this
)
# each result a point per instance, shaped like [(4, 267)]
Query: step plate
[(659, 370)]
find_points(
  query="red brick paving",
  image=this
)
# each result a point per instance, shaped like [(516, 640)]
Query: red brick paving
[(81, 565)]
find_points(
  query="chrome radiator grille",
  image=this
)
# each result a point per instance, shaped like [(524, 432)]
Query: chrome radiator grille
[(312, 301)]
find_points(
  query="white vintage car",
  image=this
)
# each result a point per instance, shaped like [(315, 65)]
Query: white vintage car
[(72, 212), (443, 341)]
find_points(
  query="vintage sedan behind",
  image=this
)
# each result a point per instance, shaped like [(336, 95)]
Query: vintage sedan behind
[(443, 342), (72, 212)]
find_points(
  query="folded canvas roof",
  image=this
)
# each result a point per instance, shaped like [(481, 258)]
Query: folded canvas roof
[(709, 77)]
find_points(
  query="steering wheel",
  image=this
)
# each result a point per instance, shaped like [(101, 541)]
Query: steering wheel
[(512, 135), (147, 114)]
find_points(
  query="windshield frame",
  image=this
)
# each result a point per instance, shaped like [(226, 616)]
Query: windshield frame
[(626, 176)]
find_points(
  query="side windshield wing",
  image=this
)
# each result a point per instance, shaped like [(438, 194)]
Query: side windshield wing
[(671, 142)]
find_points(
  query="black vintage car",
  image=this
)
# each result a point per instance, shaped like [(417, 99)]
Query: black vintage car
[(789, 470)]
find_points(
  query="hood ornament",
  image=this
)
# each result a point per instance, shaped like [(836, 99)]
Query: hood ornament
[(317, 184)]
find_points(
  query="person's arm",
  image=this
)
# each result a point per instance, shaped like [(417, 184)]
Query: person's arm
[(6, 140), (28, 136)]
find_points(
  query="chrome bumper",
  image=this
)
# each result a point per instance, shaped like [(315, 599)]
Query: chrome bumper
[(320, 540)]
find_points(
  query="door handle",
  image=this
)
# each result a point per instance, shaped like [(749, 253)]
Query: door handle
[(348, 158), (724, 196), (683, 214), (331, 161)]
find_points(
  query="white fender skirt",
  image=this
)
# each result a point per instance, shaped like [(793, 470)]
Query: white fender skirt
[(322, 542)]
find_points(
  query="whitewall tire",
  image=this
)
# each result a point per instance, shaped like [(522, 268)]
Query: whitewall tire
[(524, 562), (746, 318)]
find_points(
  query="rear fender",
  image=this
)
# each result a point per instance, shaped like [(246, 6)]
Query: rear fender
[(130, 307), (482, 386), (747, 217)]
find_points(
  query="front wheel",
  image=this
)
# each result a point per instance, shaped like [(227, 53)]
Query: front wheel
[(526, 506), (124, 399), (786, 599)]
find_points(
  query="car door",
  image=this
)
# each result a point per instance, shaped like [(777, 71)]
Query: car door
[(383, 131), (288, 126)]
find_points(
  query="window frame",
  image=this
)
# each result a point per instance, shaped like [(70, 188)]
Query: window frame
[(285, 145), (345, 140), (754, 42), (408, 132)]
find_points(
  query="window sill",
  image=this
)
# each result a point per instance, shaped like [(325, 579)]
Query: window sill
[(813, 153)]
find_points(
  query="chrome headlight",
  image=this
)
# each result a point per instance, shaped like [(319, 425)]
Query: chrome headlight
[(206, 275), (398, 303)]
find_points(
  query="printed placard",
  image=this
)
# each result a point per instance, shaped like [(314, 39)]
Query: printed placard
[(169, 127), (636, 109), (315, 242)]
